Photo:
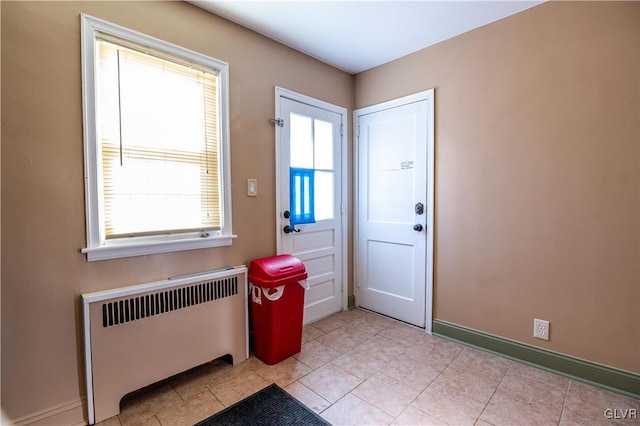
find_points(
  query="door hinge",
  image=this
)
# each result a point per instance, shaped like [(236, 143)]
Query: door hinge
[(358, 134), (341, 208), (342, 130)]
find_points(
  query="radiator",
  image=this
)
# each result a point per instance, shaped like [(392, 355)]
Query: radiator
[(135, 336)]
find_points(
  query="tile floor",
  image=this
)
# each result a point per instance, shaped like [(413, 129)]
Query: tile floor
[(360, 368)]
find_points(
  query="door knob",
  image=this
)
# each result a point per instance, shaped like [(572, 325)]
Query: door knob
[(417, 227), (289, 229)]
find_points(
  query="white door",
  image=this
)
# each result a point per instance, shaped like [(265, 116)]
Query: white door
[(310, 196), (395, 208)]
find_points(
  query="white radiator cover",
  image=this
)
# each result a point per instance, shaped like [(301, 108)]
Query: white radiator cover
[(135, 336)]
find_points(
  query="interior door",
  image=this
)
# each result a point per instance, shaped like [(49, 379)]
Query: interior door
[(310, 198), (395, 209)]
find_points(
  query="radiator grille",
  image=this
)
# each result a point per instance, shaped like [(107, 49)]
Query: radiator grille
[(148, 305)]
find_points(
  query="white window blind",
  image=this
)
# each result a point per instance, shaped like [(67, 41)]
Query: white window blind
[(159, 142)]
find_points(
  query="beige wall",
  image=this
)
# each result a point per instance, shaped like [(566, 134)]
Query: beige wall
[(537, 175), (43, 228)]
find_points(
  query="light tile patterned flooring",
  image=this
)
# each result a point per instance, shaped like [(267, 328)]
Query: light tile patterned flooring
[(359, 368)]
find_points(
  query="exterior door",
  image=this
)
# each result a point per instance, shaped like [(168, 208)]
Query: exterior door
[(310, 196), (395, 208)]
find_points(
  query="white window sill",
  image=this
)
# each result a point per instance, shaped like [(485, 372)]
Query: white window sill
[(129, 248)]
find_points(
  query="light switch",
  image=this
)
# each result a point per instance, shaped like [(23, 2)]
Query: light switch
[(252, 187)]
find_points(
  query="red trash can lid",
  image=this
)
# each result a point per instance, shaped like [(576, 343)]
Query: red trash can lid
[(275, 271)]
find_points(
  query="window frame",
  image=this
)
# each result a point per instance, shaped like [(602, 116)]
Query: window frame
[(98, 247)]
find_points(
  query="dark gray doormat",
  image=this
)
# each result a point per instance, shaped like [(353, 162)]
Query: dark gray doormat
[(269, 407)]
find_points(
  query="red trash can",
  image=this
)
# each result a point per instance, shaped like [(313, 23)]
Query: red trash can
[(277, 303)]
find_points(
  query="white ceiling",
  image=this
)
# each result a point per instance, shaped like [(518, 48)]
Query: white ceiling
[(358, 35)]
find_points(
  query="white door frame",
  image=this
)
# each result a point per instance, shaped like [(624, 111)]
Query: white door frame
[(285, 93), (427, 95)]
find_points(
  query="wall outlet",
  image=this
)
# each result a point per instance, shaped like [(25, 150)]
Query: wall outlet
[(541, 329)]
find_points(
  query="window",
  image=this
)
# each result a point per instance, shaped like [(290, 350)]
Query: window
[(312, 149), (156, 145)]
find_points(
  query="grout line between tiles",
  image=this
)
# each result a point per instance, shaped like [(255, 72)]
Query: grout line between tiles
[(564, 402), (425, 388), (494, 393)]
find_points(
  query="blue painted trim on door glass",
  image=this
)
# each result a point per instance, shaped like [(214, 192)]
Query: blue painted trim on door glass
[(301, 198)]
